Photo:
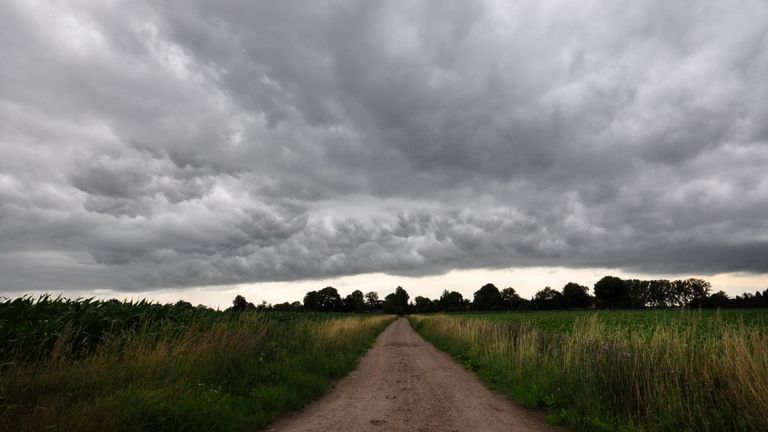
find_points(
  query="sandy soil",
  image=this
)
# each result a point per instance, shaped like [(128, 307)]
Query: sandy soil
[(405, 384)]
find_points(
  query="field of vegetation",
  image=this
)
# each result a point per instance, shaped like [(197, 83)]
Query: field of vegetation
[(620, 370), (109, 365), (703, 321)]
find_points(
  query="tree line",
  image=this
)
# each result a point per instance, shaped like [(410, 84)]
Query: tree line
[(610, 292)]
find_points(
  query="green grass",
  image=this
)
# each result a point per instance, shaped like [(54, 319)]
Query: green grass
[(622, 370), (204, 371), (633, 320)]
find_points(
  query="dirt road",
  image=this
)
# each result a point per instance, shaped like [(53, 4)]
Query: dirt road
[(405, 384)]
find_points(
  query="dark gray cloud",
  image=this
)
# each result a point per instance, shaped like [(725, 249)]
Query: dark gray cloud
[(180, 143)]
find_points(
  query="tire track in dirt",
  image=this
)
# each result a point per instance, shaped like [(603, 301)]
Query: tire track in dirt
[(404, 383)]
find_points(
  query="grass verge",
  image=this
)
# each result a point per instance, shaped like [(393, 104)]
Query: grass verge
[(234, 374), (674, 378)]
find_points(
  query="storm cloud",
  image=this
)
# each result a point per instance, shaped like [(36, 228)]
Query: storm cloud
[(152, 144)]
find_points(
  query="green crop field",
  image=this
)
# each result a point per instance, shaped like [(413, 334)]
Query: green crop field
[(620, 370), (703, 320), (94, 365)]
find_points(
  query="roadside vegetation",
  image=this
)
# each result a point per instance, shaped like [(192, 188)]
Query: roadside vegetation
[(623, 370), (109, 365), (707, 322), (630, 355)]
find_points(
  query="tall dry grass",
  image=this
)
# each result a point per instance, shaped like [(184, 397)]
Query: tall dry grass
[(231, 375), (673, 378)]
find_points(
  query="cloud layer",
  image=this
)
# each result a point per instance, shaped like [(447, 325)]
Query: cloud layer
[(181, 143)]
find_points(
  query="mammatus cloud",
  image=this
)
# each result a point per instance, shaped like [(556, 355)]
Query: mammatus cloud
[(182, 143)]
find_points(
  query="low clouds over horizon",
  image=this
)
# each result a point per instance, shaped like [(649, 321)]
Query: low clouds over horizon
[(186, 143)]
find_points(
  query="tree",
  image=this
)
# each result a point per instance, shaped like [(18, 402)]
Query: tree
[(354, 302), (452, 301), (548, 298), (683, 292), (487, 297), (639, 292), (694, 291), (612, 292), (576, 296), (717, 300), (744, 300), (423, 305), (281, 307), (329, 300), (676, 295), (181, 304), (402, 296), (659, 293), (312, 301), (511, 300), (372, 301), (397, 302), (240, 304)]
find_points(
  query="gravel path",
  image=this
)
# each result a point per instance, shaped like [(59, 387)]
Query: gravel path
[(405, 384)]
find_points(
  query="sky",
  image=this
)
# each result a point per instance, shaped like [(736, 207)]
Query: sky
[(189, 149)]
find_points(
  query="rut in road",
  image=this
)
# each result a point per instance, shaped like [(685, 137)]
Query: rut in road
[(405, 384)]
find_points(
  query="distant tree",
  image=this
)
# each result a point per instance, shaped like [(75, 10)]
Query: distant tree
[(750, 300), (181, 304), (612, 292), (694, 291), (660, 293), (639, 293), (281, 307), (240, 304), (717, 300), (548, 298), (488, 297), (682, 292), (372, 301), (423, 305), (390, 305), (329, 300), (512, 301), (451, 301), (354, 302), (402, 296), (576, 296), (287, 307), (743, 300), (397, 302), (312, 301), (676, 294)]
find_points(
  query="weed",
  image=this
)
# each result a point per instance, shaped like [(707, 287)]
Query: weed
[(685, 374)]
